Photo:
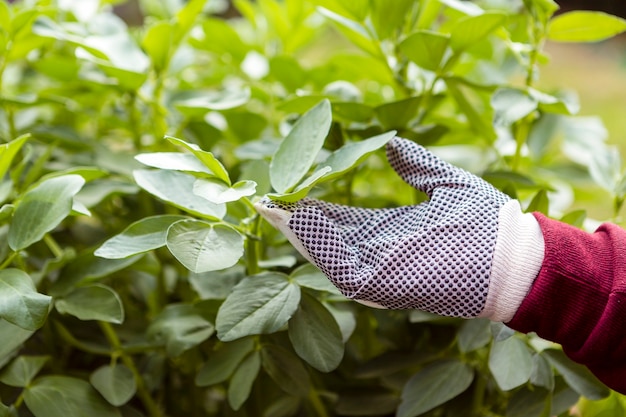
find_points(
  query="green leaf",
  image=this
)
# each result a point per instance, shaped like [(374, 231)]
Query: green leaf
[(398, 114), (356, 32), (242, 380), (605, 167), (575, 218), (20, 303), (157, 42), (41, 209), (223, 362), (202, 246), (173, 160), (355, 9), (474, 334), (470, 30), (93, 302), (511, 105), (585, 26), (476, 121), (176, 188), (22, 370), (510, 363), (259, 304), (304, 187), (8, 152), (180, 327), (141, 236), (221, 38), (308, 275), (298, 150), (116, 383), (541, 373), (217, 192), (63, 396), (13, 337), (207, 158), (434, 385), (426, 48), (315, 335), (199, 102), (286, 370), (577, 376), (529, 403), (388, 17), (540, 203)]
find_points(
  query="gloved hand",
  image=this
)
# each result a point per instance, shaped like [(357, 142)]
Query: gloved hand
[(468, 251)]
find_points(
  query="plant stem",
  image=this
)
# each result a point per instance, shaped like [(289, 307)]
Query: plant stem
[(8, 260), (152, 407), (53, 246), (253, 247), (316, 403)]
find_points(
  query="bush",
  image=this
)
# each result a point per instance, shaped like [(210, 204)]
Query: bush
[(136, 277)]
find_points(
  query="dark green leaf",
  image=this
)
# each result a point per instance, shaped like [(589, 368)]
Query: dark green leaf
[(22, 370), (223, 362), (474, 334), (20, 303), (434, 385), (541, 373), (286, 370), (242, 380), (259, 304), (308, 275), (540, 203), (577, 376), (315, 335), (13, 336), (527, 403)]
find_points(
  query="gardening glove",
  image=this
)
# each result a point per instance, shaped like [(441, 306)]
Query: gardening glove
[(468, 251)]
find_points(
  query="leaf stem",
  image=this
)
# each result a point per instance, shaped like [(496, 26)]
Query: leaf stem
[(316, 403), (53, 246), (8, 260), (152, 407), (253, 247)]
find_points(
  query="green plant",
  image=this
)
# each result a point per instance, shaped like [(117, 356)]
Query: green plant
[(136, 277)]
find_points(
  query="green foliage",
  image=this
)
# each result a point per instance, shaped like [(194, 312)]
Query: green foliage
[(136, 277)]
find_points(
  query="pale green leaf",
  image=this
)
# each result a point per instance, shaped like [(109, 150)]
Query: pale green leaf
[(207, 158), (315, 335), (116, 383), (21, 371), (93, 302), (470, 30), (176, 188), (577, 376), (8, 152), (474, 334), (217, 192), (308, 275), (20, 303), (63, 396), (259, 304), (510, 363), (511, 105), (157, 42), (298, 150), (434, 385), (199, 102), (42, 208), (585, 26), (202, 246), (141, 236), (426, 48), (173, 160)]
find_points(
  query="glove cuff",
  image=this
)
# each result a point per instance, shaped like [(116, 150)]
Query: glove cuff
[(517, 258)]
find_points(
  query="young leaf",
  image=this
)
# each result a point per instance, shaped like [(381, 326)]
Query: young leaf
[(63, 396), (259, 304), (180, 327), (116, 383), (315, 335), (585, 26), (20, 303), (207, 158), (426, 48), (176, 188), (242, 380), (202, 246), (470, 30), (388, 17), (298, 150), (173, 160), (511, 105), (434, 385), (22, 370), (286, 370), (41, 209), (93, 302), (540, 203), (510, 363), (141, 236), (223, 362), (157, 42), (218, 192), (8, 152)]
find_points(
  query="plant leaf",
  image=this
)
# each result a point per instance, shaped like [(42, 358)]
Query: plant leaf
[(577, 376), (585, 26), (116, 383), (141, 236), (434, 385), (202, 246), (93, 302), (8, 152), (63, 396), (510, 363), (286, 370), (21, 371), (242, 380), (207, 158), (20, 303), (308, 275), (474, 334), (173, 160), (315, 335), (217, 192), (298, 150), (511, 105), (470, 30), (42, 208), (426, 48), (259, 304), (223, 362)]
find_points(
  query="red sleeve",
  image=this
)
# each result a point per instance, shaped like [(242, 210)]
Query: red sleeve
[(579, 298)]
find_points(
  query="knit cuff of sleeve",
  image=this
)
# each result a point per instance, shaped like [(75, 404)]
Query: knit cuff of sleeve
[(517, 259)]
